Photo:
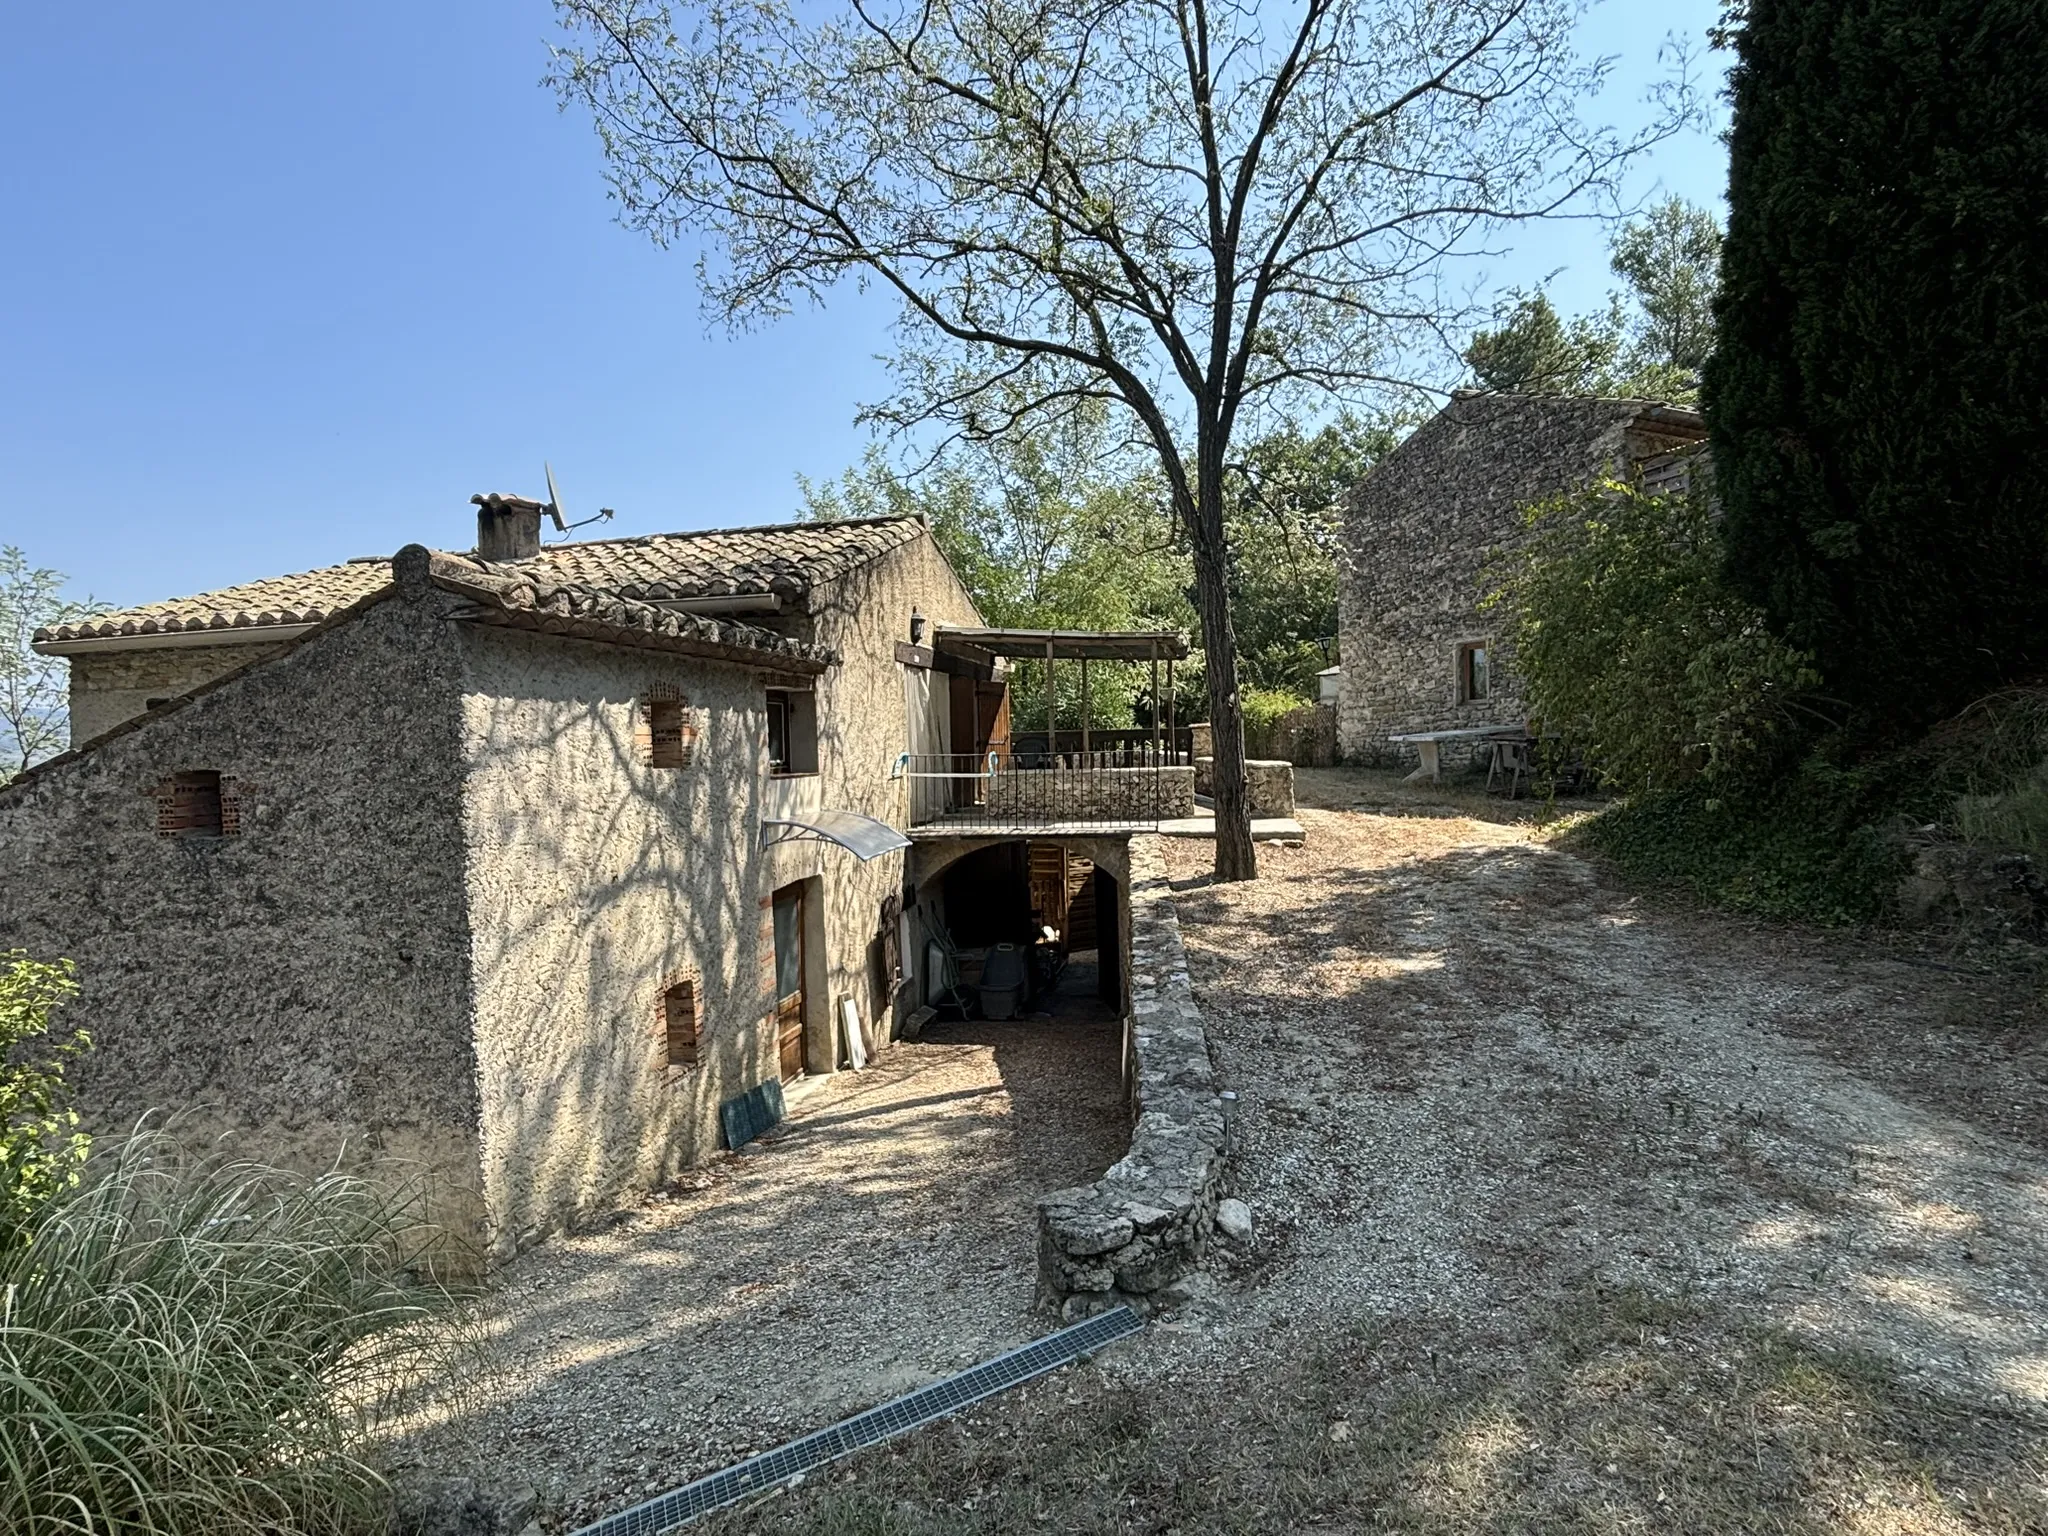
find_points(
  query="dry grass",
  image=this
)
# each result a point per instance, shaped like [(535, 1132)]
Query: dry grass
[(1620, 1414)]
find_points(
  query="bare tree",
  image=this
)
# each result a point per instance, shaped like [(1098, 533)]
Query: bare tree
[(33, 689), (1196, 211)]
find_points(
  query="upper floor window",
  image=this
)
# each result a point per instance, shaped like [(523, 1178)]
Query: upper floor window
[(792, 731), (1475, 669)]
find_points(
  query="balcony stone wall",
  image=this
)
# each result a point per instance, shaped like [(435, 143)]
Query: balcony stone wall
[(1089, 794)]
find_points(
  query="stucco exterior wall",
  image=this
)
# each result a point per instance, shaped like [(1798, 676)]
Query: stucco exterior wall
[(871, 708), (304, 980), (595, 880), (108, 687), (1418, 532)]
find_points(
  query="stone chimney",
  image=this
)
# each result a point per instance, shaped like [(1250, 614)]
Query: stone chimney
[(507, 527)]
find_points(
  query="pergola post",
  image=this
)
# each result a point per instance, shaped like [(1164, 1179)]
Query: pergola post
[(1155, 703), (1170, 738), (1052, 711), (1084, 708)]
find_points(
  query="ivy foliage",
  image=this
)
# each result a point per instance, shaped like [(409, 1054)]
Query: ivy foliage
[(41, 1146), (1634, 648), (1880, 378)]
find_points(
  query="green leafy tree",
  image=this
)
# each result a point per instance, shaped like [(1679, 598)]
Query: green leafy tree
[(1671, 260), (1056, 529), (1881, 378), (1534, 351), (1199, 215), (33, 688), (1650, 342), (1633, 646), (41, 1146), (1286, 505)]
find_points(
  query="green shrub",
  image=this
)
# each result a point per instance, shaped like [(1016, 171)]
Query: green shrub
[(1263, 707), (1809, 846), (202, 1345), (41, 1147), (1633, 647)]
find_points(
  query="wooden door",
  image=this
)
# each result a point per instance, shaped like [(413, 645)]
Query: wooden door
[(789, 981), (994, 709)]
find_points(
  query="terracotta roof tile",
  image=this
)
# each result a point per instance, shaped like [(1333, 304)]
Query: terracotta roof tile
[(786, 559)]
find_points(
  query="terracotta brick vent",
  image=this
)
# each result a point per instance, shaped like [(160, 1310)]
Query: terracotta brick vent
[(680, 1024), (197, 803), (668, 729)]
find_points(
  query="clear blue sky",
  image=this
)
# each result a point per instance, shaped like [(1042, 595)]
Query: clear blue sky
[(282, 284)]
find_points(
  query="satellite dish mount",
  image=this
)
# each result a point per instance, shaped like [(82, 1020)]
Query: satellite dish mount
[(554, 506)]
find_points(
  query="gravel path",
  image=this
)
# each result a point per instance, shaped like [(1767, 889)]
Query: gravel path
[(884, 1237), (1475, 1078)]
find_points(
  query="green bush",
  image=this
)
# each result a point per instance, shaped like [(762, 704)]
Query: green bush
[(1635, 650), (1263, 707), (41, 1146), (1809, 846), (203, 1345), (1876, 389)]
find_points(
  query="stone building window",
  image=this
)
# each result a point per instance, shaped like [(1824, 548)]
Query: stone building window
[(1475, 672), (792, 731), (667, 732), (198, 803), (681, 1028)]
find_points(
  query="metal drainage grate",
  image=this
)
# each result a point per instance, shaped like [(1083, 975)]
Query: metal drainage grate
[(924, 1406)]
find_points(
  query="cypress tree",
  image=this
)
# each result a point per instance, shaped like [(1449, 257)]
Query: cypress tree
[(1878, 396)]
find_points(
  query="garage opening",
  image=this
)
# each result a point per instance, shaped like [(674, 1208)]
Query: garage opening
[(1028, 929)]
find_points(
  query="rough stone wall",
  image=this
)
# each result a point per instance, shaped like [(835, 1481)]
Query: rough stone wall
[(306, 979), (108, 687), (1091, 794), (1417, 534), (1269, 785), (1127, 1238)]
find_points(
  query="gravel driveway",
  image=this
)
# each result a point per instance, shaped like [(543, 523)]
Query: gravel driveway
[(885, 1236), (1475, 1076)]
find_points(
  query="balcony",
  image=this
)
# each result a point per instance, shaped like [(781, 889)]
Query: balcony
[(1075, 793)]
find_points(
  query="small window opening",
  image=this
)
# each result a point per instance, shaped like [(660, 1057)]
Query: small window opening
[(1475, 680), (792, 731), (198, 803), (679, 1022), (668, 729)]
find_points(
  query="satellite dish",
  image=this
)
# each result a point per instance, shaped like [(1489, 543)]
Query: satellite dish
[(554, 506)]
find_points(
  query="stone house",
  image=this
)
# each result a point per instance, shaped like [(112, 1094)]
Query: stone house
[(515, 864), (1419, 651)]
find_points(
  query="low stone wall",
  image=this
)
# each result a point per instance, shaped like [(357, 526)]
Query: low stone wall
[(1126, 1239), (1268, 785), (1090, 793)]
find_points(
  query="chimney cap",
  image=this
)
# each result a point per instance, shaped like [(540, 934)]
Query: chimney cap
[(498, 501)]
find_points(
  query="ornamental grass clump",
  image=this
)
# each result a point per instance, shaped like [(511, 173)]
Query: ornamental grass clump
[(200, 1344)]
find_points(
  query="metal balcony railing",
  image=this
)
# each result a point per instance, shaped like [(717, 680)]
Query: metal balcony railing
[(1126, 789)]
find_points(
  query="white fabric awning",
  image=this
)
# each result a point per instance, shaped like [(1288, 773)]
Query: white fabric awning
[(862, 836)]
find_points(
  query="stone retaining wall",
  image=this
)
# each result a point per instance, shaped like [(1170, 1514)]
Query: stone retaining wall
[(1126, 1239), (1268, 785), (1091, 793)]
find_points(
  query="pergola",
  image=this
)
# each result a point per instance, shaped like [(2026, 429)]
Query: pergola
[(982, 646)]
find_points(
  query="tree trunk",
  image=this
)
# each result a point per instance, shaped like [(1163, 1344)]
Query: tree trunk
[(1236, 859)]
